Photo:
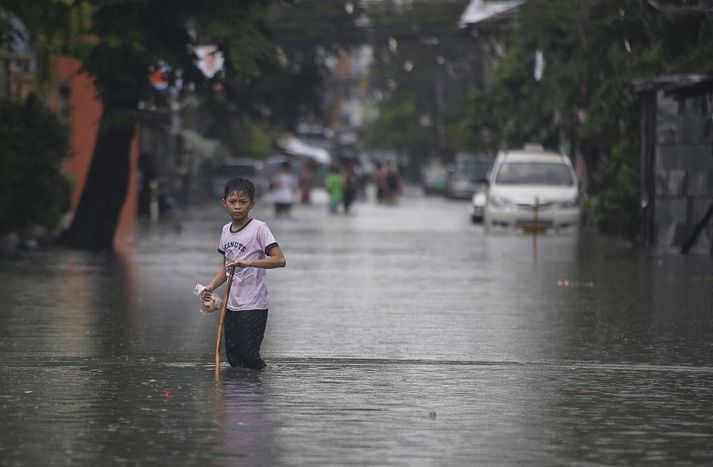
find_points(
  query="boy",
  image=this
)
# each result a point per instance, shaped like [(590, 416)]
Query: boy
[(249, 245)]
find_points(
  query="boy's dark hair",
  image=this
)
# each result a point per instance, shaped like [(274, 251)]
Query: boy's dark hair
[(242, 185)]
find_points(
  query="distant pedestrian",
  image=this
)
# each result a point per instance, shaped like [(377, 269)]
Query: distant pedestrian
[(249, 245), (380, 182), (334, 183), (306, 183), (351, 186), (393, 184), (284, 185)]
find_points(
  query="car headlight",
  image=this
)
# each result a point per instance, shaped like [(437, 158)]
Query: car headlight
[(500, 202), (480, 199), (569, 204)]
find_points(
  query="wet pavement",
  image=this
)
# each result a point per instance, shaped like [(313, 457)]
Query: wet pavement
[(399, 335)]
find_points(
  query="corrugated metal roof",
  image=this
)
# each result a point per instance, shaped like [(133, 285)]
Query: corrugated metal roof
[(480, 11), (690, 83)]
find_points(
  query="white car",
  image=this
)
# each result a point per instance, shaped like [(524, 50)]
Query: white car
[(531, 189)]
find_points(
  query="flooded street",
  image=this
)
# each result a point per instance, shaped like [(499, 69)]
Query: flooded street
[(398, 335)]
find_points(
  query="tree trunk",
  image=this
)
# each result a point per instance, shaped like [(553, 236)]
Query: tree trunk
[(592, 158), (106, 185)]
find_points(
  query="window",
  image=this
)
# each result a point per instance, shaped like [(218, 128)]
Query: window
[(474, 169), (534, 173)]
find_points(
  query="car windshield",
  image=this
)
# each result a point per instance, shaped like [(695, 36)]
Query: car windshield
[(474, 169), (534, 173)]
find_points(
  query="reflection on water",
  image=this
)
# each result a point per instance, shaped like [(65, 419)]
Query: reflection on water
[(240, 408), (399, 335), (335, 412), (65, 302)]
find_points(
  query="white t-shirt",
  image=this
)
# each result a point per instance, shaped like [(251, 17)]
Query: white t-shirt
[(252, 241), (285, 186)]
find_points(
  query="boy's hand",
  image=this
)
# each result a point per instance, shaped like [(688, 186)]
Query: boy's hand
[(206, 294), (241, 263)]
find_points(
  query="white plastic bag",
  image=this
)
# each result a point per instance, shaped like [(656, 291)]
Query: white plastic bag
[(210, 305)]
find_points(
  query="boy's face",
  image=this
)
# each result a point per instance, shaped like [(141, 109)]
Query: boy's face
[(238, 205)]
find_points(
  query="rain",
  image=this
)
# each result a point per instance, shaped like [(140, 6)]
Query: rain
[(494, 217)]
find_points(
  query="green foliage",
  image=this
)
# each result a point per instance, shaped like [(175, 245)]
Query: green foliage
[(121, 40), (421, 57), (394, 114), (593, 49), (33, 190), (257, 142), (53, 27), (397, 128), (614, 208), (118, 40), (304, 33), (456, 131), (249, 140), (134, 36), (293, 68)]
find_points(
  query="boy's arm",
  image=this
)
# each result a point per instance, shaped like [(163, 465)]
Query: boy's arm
[(216, 282), (275, 259)]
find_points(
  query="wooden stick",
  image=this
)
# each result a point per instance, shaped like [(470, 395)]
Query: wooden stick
[(223, 309)]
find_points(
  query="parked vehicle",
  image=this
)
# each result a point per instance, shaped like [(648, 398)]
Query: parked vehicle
[(531, 189), (467, 175), (239, 167), (435, 177)]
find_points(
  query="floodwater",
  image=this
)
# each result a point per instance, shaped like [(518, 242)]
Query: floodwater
[(399, 335)]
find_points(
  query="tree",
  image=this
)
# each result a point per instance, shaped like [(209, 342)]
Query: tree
[(593, 49), (397, 128), (52, 28), (34, 194), (33, 191), (128, 37), (421, 57), (306, 34), (124, 38)]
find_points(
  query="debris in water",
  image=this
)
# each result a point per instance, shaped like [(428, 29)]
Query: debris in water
[(167, 394), (432, 414), (568, 283)]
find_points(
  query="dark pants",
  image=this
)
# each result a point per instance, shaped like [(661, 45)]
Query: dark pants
[(348, 198), (244, 331)]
